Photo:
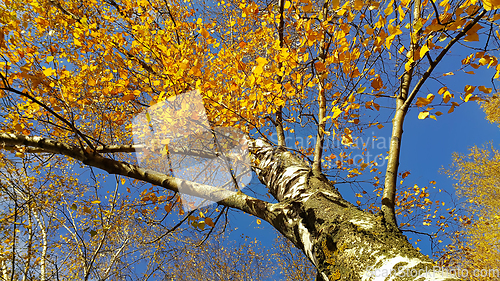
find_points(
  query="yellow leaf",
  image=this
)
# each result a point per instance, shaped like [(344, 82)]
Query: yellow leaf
[(184, 64), (48, 72), (201, 225), (467, 97), (469, 89), (50, 59), (18, 127), (359, 91), (95, 202), (260, 65), (423, 115), (258, 221), (389, 8), (336, 112), (356, 4), (447, 96), (388, 41), (261, 61), (128, 97), (287, 4), (401, 13), (123, 181), (373, 5), (442, 90), (423, 50)]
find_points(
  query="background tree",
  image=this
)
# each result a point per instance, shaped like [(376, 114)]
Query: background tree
[(476, 247), (296, 76)]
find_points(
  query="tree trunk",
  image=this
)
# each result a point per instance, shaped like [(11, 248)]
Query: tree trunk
[(342, 241)]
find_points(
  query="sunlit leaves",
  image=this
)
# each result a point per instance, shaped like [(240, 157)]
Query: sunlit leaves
[(49, 72), (445, 93), (472, 33), (424, 50), (491, 4), (259, 68), (421, 102)]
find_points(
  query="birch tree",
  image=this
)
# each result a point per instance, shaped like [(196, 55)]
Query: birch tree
[(293, 77)]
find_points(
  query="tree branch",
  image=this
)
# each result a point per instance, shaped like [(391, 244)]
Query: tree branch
[(320, 135), (279, 114), (237, 200), (389, 195)]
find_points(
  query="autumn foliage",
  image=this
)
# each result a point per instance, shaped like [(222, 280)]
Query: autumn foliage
[(295, 73)]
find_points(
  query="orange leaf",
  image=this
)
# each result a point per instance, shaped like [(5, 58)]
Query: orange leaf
[(474, 37), (209, 222), (484, 89), (204, 33), (377, 83), (320, 67), (168, 207)]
